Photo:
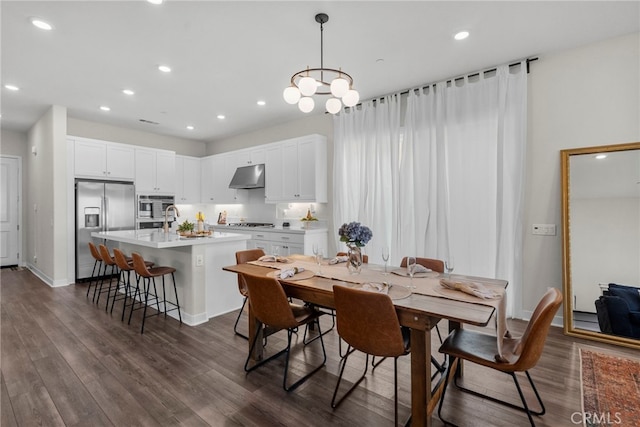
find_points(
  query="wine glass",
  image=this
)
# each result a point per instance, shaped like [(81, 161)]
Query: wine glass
[(385, 258), (319, 257), (411, 268), (448, 265), (276, 251)]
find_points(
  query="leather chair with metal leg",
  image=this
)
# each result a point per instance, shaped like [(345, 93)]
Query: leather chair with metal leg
[(243, 257), (522, 353), (437, 266), (125, 265), (108, 261), (95, 275), (269, 304), (368, 322), (148, 277)]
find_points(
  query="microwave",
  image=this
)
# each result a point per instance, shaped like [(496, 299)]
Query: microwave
[(154, 206)]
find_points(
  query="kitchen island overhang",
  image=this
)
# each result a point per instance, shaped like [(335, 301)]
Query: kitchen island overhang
[(204, 289)]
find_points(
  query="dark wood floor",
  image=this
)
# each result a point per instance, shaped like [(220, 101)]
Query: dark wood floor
[(67, 362)]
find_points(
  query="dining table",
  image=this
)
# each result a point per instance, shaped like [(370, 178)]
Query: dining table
[(420, 301)]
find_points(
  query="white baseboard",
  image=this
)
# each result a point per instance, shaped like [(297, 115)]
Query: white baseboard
[(557, 320), (46, 279)]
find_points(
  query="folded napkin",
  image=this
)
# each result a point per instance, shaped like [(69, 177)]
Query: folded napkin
[(471, 288), (339, 259), (382, 288), (419, 268), (272, 258), (290, 272)]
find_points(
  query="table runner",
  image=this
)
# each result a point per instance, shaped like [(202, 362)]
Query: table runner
[(429, 286)]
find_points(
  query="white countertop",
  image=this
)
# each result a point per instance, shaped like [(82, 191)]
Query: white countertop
[(158, 239), (277, 229)]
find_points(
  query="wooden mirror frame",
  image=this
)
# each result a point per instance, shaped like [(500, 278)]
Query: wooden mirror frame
[(569, 328)]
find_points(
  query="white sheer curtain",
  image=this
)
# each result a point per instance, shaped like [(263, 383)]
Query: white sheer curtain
[(449, 183), (366, 170)]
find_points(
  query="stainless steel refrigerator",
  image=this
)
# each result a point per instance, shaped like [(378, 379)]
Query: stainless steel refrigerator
[(100, 206)]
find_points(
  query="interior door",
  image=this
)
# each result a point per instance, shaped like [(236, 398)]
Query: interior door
[(9, 220)]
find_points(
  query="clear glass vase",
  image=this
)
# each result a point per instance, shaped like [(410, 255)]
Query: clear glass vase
[(354, 264)]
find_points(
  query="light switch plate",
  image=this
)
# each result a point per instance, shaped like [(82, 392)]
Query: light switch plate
[(544, 229), (199, 260)]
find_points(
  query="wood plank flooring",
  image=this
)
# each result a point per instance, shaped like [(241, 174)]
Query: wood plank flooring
[(66, 362)]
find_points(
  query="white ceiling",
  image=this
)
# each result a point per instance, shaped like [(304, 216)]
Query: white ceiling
[(227, 55)]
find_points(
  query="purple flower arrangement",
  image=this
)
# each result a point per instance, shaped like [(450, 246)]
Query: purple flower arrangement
[(355, 233)]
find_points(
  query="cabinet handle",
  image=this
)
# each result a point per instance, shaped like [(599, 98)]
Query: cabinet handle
[(284, 238)]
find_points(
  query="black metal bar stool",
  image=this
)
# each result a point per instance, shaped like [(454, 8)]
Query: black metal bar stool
[(108, 261), (125, 265), (94, 275), (148, 276)]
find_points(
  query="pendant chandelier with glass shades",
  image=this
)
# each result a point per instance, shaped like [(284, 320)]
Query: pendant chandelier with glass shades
[(321, 81)]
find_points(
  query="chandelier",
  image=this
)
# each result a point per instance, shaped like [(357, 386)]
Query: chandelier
[(321, 81)]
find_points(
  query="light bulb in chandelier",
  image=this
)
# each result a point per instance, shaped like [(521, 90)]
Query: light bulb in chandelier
[(307, 86), (351, 98), (306, 104), (291, 95), (333, 105), (339, 87)]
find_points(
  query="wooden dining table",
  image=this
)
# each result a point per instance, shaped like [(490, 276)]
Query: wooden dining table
[(418, 312)]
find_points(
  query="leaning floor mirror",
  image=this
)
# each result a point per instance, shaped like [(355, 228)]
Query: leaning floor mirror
[(601, 243)]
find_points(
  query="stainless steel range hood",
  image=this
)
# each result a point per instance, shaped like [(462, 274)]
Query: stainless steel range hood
[(248, 177)]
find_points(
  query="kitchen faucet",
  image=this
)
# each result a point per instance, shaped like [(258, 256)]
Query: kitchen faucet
[(165, 227)]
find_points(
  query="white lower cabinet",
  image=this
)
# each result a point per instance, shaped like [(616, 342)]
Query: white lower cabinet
[(287, 242)]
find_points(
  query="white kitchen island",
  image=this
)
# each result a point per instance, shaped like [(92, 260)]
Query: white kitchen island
[(204, 289)]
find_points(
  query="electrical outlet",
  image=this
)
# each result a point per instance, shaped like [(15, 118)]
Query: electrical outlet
[(199, 260), (544, 229), (35, 259)]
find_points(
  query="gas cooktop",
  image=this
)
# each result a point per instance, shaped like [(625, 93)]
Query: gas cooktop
[(250, 224)]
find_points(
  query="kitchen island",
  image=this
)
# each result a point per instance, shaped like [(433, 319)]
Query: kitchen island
[(204, 289)]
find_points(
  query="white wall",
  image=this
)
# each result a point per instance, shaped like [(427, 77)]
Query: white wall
[(582, 97), (46, 243), (87, 129)]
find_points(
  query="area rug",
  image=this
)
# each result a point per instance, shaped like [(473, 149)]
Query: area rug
[(610, 390)]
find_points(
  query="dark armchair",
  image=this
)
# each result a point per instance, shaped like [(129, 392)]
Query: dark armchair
[(619, 311)]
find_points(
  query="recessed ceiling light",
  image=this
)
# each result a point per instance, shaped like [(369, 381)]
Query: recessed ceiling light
[(164, 68), (261, 103), (12, 87), (190, 127), (105, 108), (221, 116), (601, 156), (155, 1), (41, 24), (128, 92), (461, 35)]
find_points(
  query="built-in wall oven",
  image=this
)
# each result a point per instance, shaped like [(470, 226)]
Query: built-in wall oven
[(151, 209)]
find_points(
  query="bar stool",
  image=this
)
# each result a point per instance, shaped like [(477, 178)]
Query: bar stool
[(125, 265), (94, 277), (148, 276), (108, 261)]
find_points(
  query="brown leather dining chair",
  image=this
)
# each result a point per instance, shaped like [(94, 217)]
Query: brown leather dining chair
[(270, 306), (368, 322), (243, 257), (437, 266), (522, 353)]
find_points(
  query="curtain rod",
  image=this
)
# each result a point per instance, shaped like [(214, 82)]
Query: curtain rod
[(454, 79)]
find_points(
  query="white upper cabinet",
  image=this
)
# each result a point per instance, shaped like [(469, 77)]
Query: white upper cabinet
[(155, 171), (187, 180), (296, 170), (216, 173), (251, 156), (102, 159)]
